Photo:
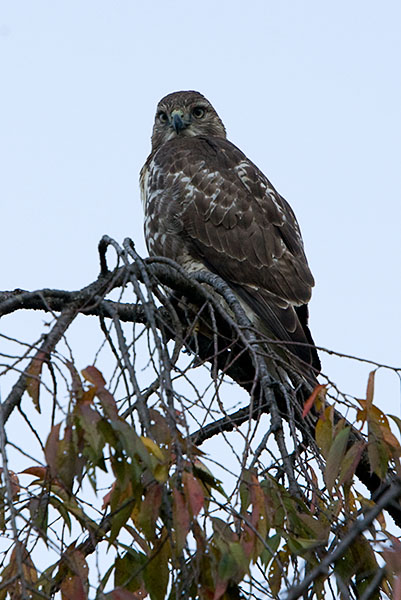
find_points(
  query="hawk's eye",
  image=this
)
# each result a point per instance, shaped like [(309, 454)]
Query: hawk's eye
[(198, 112), (162, 116)]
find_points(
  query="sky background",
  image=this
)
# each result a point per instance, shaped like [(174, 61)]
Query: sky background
[(309, 90)]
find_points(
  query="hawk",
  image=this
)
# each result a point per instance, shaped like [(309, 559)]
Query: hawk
[(207, 206)]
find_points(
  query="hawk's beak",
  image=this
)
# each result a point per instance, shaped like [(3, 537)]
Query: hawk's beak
[(177, 121)]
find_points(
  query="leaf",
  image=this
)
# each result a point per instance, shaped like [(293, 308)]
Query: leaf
[(378, 452), (271, 546), (160, 429), (153, 448), (51, 449), (335, 457), (275, 576), (89, 420), (193, 492), (397, 421), (181, 521), (33, 378), (370, 389), (128, 572), (121, 505), (351, 461), (75, 583), (72, 587), (121, 594), (14, 482), (312, 398), (227, 567), (149, 511), (39, 509), (220, 589), (207, 478), (62, 456), (156, 573), (62, 509), (39, 472), (94, 376), (223, 530), (324, 431)]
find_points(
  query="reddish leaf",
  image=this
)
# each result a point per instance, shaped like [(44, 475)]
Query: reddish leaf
[(39, 472), (15, 486), (311, 400), (393, 556), (72, 588), (370, 389), (220, 589), (95, 377), (51, 449), (193, 492), (107, 497), (74, 585), (33, 378), (397, 588)]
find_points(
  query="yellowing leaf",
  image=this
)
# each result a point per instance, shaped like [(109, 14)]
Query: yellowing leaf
[(324, 431), (153, 448), (335, 457)]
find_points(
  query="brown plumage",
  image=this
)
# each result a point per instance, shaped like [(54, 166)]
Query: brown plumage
[(207, 206)]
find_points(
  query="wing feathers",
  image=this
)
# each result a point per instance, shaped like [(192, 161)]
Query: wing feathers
[(234, 221)]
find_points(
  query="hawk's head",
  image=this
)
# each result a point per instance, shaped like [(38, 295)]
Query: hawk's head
[(185, 114)]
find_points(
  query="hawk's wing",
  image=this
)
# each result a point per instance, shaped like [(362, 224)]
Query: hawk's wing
[(222, 211)]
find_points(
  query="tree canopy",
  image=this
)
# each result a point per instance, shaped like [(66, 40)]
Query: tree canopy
[(173, 463)]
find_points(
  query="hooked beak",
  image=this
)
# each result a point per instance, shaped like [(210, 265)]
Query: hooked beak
[(177, 121)]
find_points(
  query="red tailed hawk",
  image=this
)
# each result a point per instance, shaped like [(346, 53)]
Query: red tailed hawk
[(207, 206)]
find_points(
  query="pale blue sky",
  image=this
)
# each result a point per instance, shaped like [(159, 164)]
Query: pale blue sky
[(310, 90)]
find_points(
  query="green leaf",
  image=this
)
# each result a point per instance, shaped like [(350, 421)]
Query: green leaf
[(39, 511), (156, 574), (271, 546), (128, 572), (227, 567), (119, 518)]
